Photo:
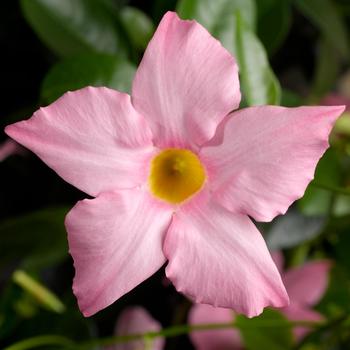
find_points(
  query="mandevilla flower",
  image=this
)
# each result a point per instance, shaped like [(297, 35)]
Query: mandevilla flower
[(305, 285), (175, 174), (137, 320)]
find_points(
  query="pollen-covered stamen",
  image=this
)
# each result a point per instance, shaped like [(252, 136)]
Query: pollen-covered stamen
[(175, 175)]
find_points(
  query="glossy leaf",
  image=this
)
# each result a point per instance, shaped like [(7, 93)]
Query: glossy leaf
[(292, 229), (92, 69), (35, 240), (259, 84), (71, 27), (212, 13), (257, 335), (324, 14), (138, 26)]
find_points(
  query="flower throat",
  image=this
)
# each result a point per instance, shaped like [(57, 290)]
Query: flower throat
[(175, 175)]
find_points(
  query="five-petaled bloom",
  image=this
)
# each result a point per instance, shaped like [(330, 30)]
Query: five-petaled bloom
[(175, 175)]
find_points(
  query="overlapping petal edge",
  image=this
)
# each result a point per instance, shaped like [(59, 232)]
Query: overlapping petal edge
[(258, 161)]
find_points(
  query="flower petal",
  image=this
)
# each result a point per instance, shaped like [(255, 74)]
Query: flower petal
[(307, 284), (267, 157), (218, 339), (219, 258), (136, 320), (92, 137), (295, 312), (116, 243), (186, 83), (10, 148)]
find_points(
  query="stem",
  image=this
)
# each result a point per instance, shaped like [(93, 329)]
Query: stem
[(331, 188), (174, 331), (185, 329), (43, 340)]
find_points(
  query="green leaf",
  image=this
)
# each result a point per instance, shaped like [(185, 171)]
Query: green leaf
[(258, 336), (259, 84), (234, 28), (292, 229), (290, 99), (37, 239), (317, 201), (71, 27), (274, 20), (91, 69), (40, 293), (326, 71), (138, 26), (324, 15), (211, 14)]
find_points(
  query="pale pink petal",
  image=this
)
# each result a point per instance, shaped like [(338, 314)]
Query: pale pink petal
[(136, 320), (92, 137), (10, 148), (219, 258), (116, 243), (278, 259), (307, 284), (267, 157), (219, 339), (186, 84), (295, 312)]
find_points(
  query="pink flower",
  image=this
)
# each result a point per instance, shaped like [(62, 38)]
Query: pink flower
[(305, 285), (9, 148), (175, 175), (136, 320), (336, 99)]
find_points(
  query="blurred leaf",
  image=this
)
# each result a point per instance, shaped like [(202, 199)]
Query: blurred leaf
[(341, 205), (234, 30), (138, 26), (257, 337), (335, 301), (326, 71), (274, 20), (71, 27), (259, 84), (324, 14), (290, 99), (212, 13), (292, 229), (318, 201), (40, 293), (92, 69), (36, 240)]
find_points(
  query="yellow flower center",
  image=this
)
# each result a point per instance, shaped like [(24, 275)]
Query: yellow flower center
[(175, 175)]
